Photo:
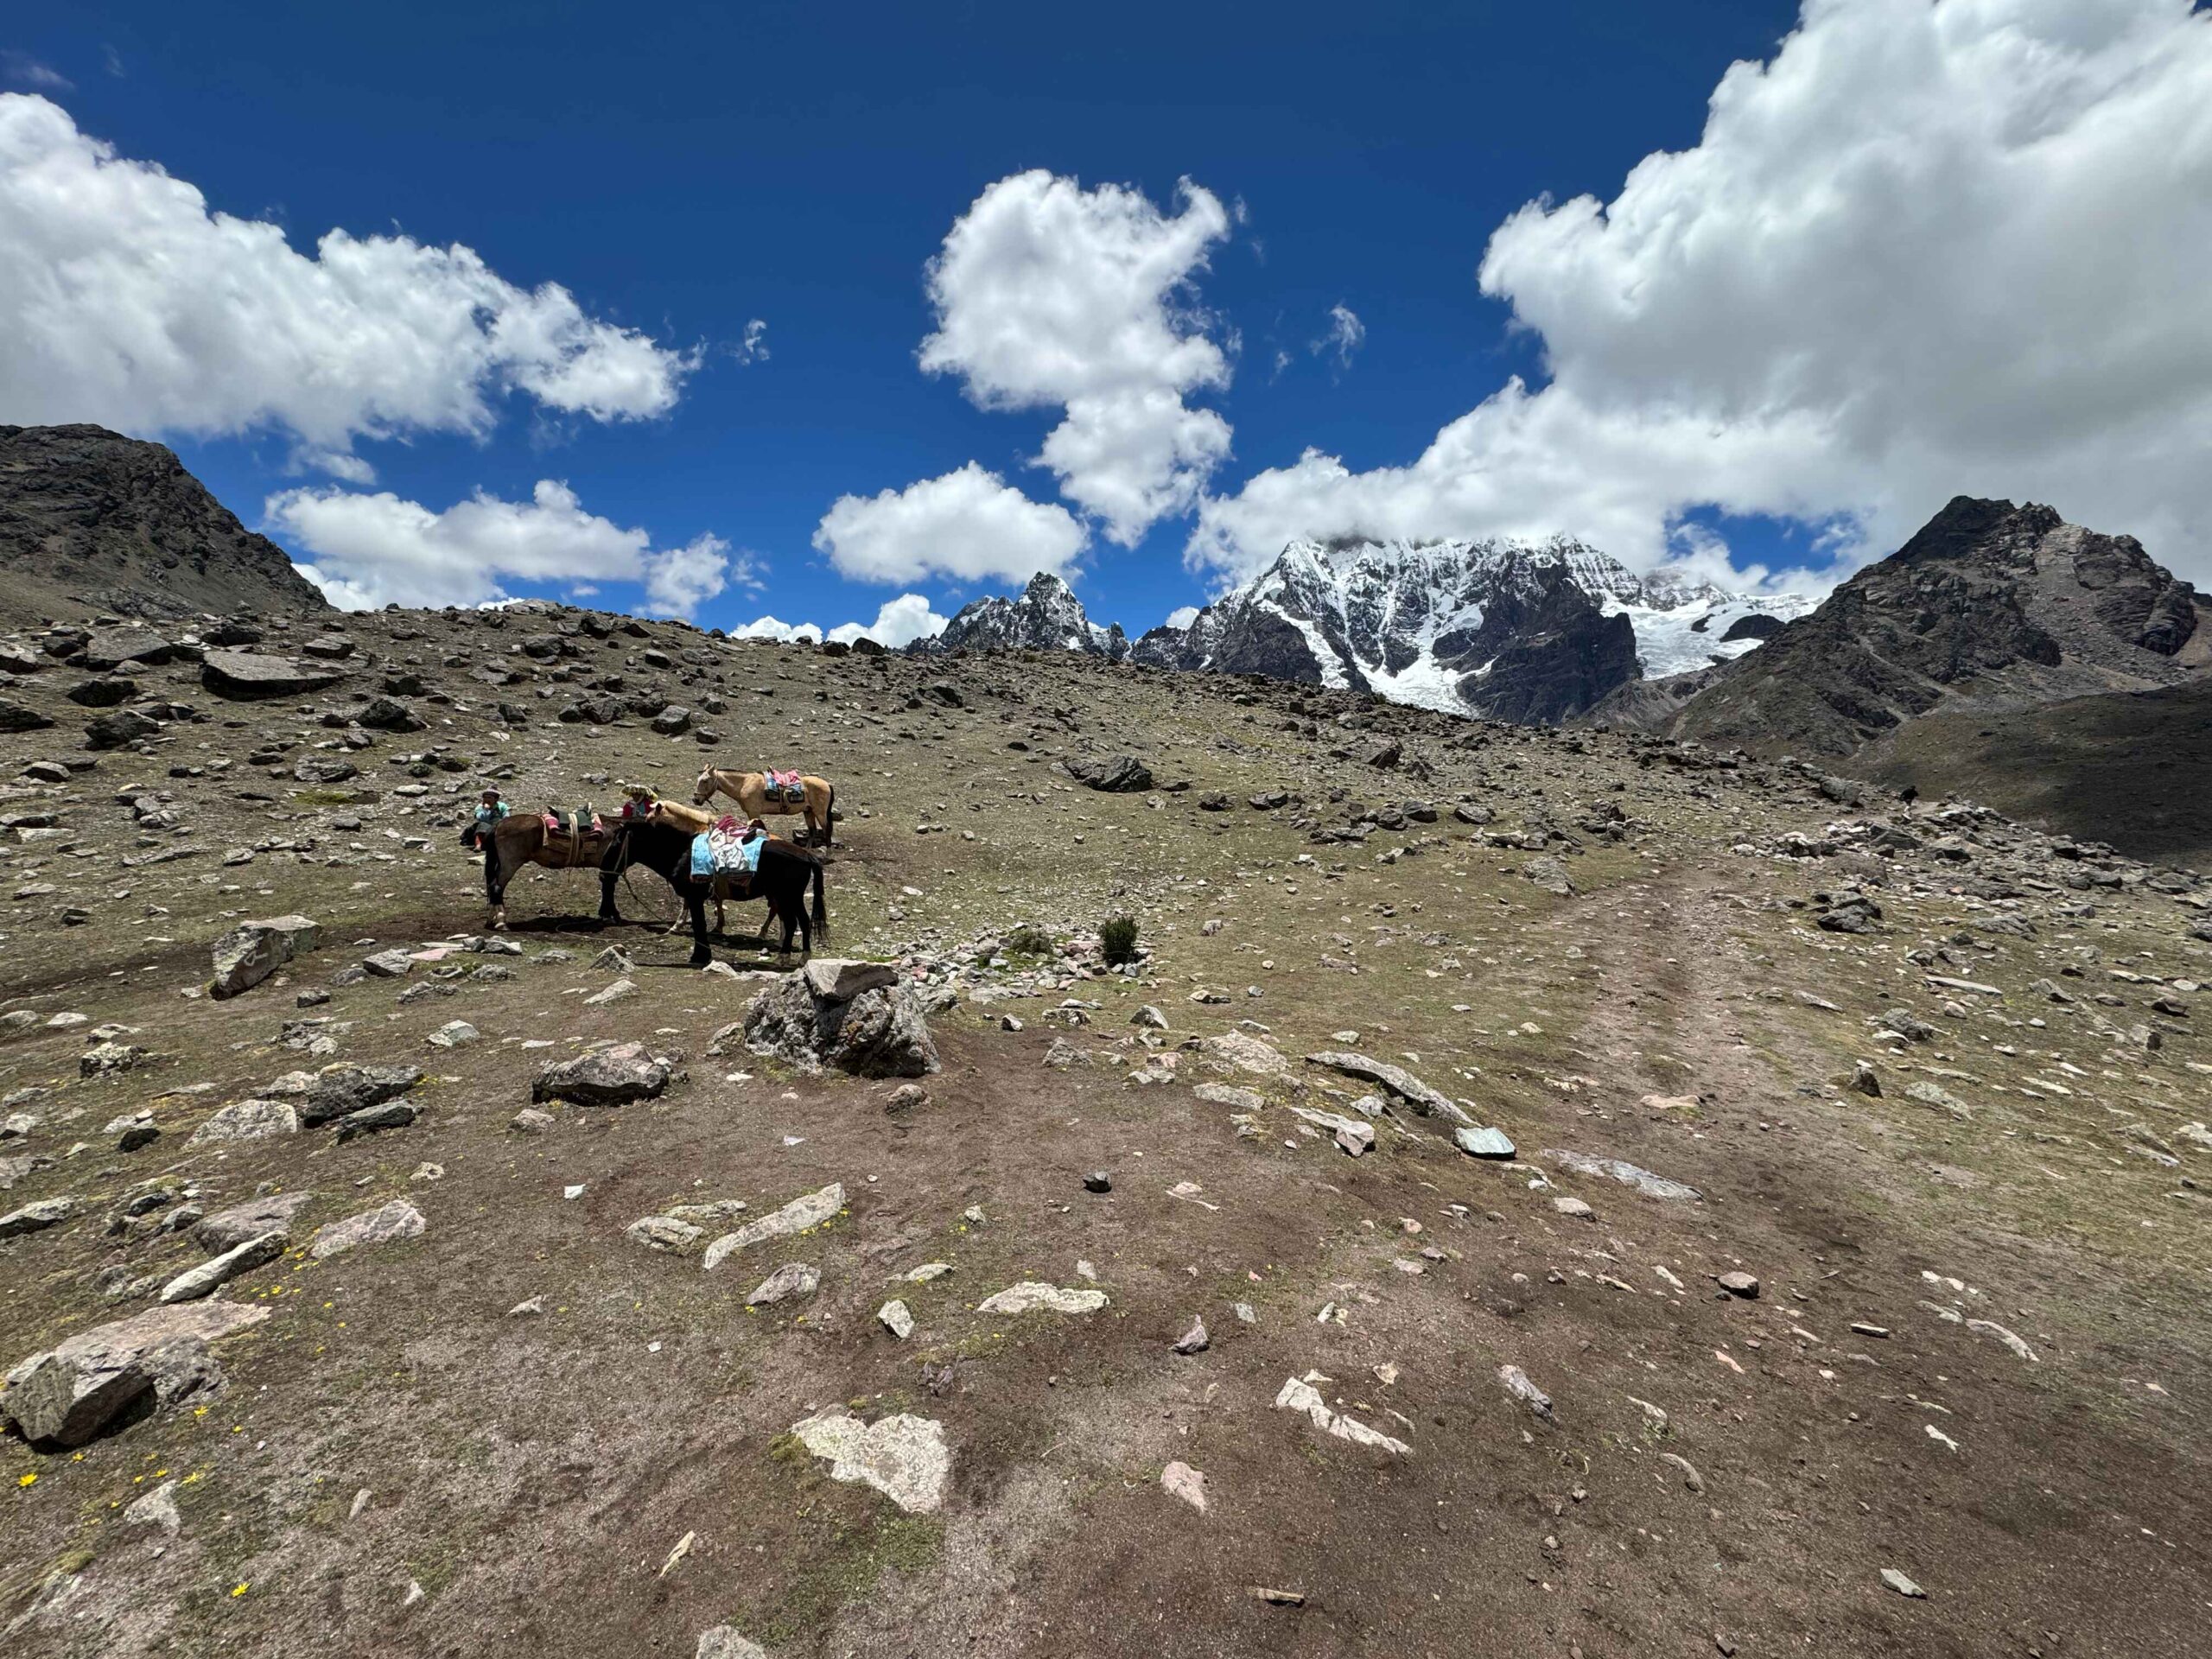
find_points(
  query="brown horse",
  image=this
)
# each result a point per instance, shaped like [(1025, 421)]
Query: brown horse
[(750, 790), (522, 838)]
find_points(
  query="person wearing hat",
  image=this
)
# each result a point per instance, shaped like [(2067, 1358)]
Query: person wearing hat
[(489, 809)]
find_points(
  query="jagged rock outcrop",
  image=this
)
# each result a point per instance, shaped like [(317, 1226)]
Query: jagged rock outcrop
[(1990, 606), (1047, 617), (91, 520)]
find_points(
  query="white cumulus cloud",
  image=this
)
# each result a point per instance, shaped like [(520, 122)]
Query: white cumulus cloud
[(371, 549), (1181, 617), (125, 300), (1929, 247), (968, 523), (1048, 295), (768, 628), (898, 622)]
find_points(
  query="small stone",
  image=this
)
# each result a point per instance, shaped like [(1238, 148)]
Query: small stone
[(722, 1641), (396, 1220), (1099, 1181), (1193, 1341), (1740, 1284), (896, 1318), (530, 1120), (1187, 1484), (156, 1509), (1483, 1143), (793, 1279), (454, 1033), (1902, 1584)]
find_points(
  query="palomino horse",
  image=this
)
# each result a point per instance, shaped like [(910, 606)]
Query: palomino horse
[(750, 790), (522, 838), (785, 874)]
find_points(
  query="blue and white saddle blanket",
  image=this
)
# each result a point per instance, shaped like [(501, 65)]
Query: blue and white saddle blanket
[(714, 852), (781, 786)]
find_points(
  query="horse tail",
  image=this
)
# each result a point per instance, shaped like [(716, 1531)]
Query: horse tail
[(821, 917), (829, 819)]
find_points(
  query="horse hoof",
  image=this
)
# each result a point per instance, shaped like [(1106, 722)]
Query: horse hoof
[(703, 959)]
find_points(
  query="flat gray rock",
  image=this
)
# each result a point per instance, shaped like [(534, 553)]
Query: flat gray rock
[(903, 1457), (1030, 1295), (1483, 1143), (1425, 1101), (1615, 1169), (839, 979), (228, 1229), (801, 1213), (247, 1120), (217, 1271), (792, 1279), (396, 1220)]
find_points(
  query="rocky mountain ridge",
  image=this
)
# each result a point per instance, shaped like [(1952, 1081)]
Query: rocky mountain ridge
[(1526, 631), (1990, 606), (91, 520)]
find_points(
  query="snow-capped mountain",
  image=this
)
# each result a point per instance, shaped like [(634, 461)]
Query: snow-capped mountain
[(1535, 631), (1047, 617), (1527, 631)]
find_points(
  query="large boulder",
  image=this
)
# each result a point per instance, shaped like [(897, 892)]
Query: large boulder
[(226, 1229), (245, 675), (385, 715), (66, 1395), (605, 1077), (340, 1091), (247, 1120), (251, 951), (1119, 774), (117, 728), (113, 647), (15, 717), (809, 1022)]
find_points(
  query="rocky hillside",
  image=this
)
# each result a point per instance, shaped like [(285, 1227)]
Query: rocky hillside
[(1533, 633), (1991, 607), (91, 521), (1578, 1188)]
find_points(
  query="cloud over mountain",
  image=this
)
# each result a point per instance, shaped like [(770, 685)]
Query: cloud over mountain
[(1925, 248)]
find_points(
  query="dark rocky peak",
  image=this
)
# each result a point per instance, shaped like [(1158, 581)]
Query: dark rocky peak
[(1989, 604), (91, 520), (1047, 616)]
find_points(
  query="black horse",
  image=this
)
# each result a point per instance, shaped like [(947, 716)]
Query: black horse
[(785, 874)]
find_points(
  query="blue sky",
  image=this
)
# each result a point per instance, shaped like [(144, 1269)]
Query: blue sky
[(683, 175)]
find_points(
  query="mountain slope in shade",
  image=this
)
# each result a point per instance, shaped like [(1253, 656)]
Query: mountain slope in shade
[(92, 521), (1529, 631), (1989, 606), (1047, 617)]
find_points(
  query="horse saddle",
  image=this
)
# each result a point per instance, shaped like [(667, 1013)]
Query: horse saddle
[(580, 820), (718, 852), (782, 785)]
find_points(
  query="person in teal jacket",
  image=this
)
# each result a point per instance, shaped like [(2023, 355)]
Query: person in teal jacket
[(489, 809)]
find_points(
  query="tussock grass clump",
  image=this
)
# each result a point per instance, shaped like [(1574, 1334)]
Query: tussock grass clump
[(1117, 940)]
